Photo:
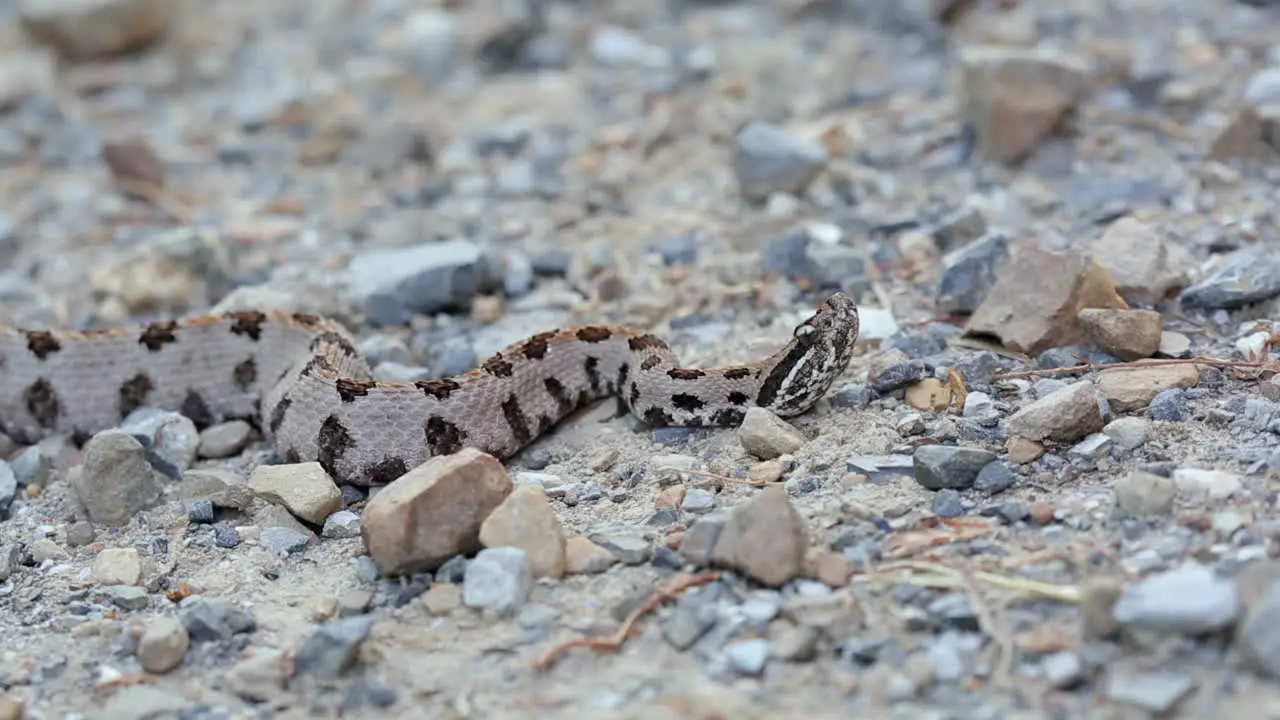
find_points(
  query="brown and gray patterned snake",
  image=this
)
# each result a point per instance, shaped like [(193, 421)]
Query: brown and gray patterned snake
[(301, 380)]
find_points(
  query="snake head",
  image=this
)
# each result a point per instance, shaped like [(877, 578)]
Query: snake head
[(819, 352)]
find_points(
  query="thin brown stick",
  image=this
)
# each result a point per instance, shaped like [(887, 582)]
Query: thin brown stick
[(994, 629), (614, 642), (1087, 367)]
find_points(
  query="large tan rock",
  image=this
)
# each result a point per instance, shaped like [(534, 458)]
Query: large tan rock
[(433, 512), (1036, 302)]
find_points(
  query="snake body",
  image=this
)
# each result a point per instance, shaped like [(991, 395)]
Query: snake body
[(300, 379)]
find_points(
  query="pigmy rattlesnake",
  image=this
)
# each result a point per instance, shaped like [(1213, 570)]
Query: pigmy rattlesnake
[(301, 380)]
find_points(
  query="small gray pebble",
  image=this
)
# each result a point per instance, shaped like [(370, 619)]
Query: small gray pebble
[(200, 511), (226, 536)]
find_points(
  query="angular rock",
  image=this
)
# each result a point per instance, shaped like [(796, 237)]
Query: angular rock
[(1189, 600), (115, 481), (1065, 415), (1249, 275), (1143, 494), (1015, 97), (527, 521), (398, 282), (89, 29), (498, 579), (1258, 634), (163, 644), (946, 466), (1138, 259), (1132, 388), (768, 159), (333, 648), (433, 512), (969, 273), (767, 436), (1127, 334), (583, 557), (1036, 300), (117, 566), (771, 558), (304, 488)]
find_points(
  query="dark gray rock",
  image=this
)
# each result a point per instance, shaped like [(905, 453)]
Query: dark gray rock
[(946, 466), (1248, 276), (333, 648), (969, 273), (769, 159)]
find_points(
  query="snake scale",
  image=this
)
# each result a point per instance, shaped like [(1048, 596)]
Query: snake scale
[(300, 379)]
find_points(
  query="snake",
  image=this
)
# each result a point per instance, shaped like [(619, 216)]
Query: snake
[(300, 380)]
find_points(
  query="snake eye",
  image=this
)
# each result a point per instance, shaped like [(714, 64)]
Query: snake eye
[(804, 332)]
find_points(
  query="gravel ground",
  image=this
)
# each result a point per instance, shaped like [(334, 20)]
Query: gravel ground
[(1043, 488)]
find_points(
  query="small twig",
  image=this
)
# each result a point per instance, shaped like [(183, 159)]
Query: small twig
[(126, 680), (614, 642), (947, 577), (1088, 367), (992, 627), (722, 478)]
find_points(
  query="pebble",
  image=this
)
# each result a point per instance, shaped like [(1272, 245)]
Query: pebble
[(1032, 306), (768, 159), (1065, 415), (397, 282), (630, 548), (434, 512), (8, 488), (11, 708), (969, 272), (1127, 432), (1154, 691), (1169, 406), (225, 439), (583, 557), (1136, 256), (1127, 334), (1063, 669), (945, 466), (128, 597), (163, 644), (260, 676), (1016, 96), (1248, 275), (305, 489), (691, 618), (442, 598), (283, 540), (342, 524), (526, 520), (1143, 494), (1128, 389), (333, 648), (766, 436), (1190, 600), (212, 620), (96, 29), (116, 481), (1208, 484), (117, 566), (172, 436), (1257, 634), (771, 559), (698, 501), (498, 579), (747, 657), (994, 478)]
